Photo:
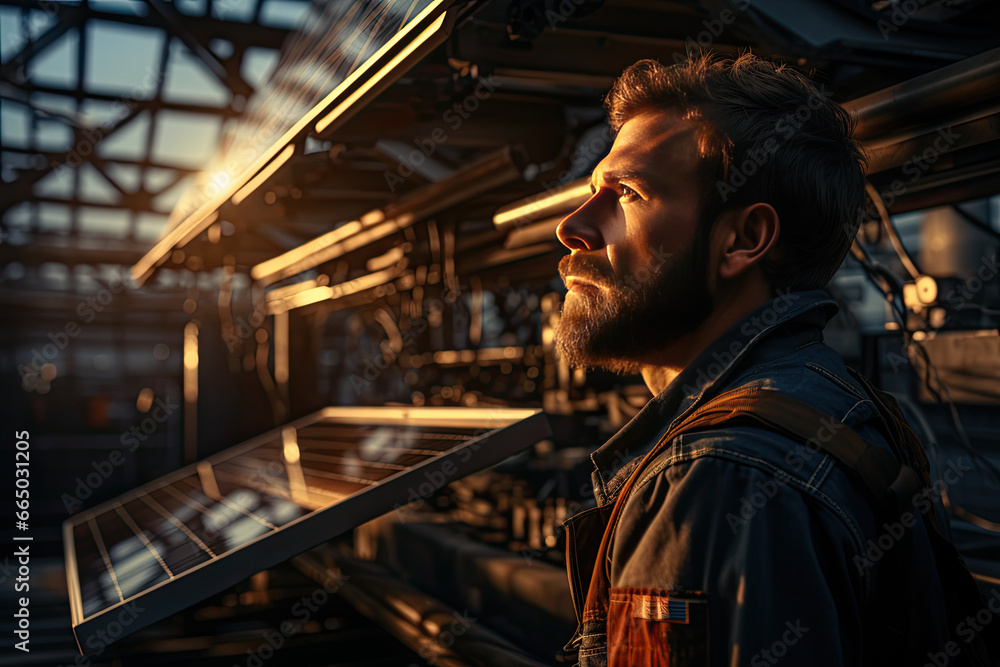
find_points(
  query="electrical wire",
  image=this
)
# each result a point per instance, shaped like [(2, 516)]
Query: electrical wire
[(927, 372), (966, 515), (975, 306), (890, 229), (930, 443), (886, 282), (976, 222), (891, 287), (964, 440)]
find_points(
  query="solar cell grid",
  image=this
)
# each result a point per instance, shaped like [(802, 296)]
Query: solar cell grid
[(198, 530)]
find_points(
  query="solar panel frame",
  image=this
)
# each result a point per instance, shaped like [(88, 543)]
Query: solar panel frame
[(506, 431)]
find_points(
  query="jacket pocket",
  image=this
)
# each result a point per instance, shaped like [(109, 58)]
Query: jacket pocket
[(657, 628)]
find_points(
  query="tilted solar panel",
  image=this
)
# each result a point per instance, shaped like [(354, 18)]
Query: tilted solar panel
[(173, 542)]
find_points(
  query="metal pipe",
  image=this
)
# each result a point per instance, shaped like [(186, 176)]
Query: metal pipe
[(943, 91), (478, 177), (555, 202), (415, 618)]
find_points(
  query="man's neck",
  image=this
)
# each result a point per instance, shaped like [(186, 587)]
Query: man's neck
[(661, 371)]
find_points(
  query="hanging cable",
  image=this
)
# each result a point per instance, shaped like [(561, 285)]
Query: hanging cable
[(931, 444), (976, 222), (891, 288), (963, 436), (890, 229), (884, 280)]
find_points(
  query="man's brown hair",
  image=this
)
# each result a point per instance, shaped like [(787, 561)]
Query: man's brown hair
[(771, 135)]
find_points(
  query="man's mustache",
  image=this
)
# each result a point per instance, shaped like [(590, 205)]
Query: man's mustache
[(589, 269)]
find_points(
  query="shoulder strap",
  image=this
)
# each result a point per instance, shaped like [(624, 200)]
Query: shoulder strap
[(892, 483), (715, 411), (961, 592), (904, 442)]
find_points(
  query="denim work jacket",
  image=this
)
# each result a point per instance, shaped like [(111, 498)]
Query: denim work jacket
[(772, 539)]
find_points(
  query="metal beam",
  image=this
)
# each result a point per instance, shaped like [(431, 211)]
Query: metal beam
[(53, 155), (70, 254), (76, 202), (146, 301), (937, 95), (7, 91), (203, 27), (92, 251), (174, 23), (34, 47), (28, 178)]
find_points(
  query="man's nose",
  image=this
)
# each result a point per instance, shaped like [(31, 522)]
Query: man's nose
[(581, 229)]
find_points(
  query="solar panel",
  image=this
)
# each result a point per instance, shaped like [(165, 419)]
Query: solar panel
[(171, 543)]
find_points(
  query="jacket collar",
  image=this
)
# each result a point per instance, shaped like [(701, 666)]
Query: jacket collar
[(702, 379)]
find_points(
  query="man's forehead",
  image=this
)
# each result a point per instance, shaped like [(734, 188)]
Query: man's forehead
[(647, 140)]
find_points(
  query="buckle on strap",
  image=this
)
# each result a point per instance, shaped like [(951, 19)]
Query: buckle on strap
[(905, 487)]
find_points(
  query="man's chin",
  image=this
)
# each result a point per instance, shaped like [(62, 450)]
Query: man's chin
[(578, 358), (581, 346)]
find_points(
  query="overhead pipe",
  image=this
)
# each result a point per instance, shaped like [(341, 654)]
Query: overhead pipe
[(490, 172), (936, 95)]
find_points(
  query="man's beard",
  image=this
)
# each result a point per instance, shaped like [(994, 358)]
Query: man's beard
[(620, 325)]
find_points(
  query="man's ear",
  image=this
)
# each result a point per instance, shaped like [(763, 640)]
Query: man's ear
[(748, 235)]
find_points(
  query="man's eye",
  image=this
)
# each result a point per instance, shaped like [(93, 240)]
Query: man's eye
[(627, 193)]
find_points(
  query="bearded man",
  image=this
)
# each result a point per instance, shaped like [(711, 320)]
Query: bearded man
[(731, 196)]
